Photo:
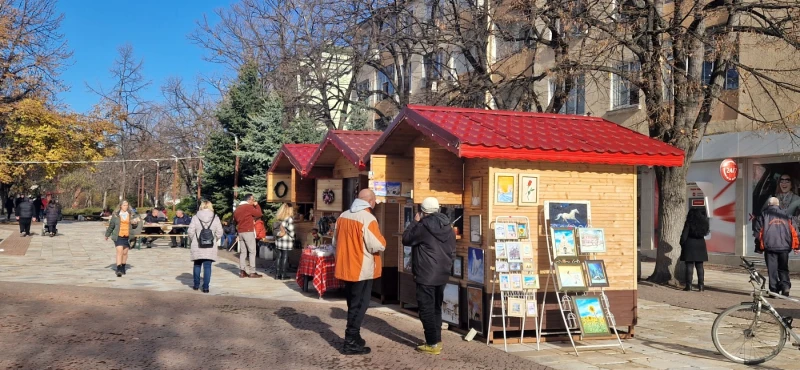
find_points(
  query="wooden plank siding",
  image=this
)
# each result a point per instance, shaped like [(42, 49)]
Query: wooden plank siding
[(438, 173), (302, 189), (272, 179), (334, 184), (343, 169)]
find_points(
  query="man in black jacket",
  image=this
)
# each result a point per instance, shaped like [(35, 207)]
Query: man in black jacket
[(25, 212), (180, 219), (776, 237), (433, 245)]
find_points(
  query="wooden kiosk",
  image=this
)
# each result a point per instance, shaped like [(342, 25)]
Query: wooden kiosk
[(340, 163), (289, 180), (458, 155)]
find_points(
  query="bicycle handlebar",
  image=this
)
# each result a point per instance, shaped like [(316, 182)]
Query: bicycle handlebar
[(754, 275)]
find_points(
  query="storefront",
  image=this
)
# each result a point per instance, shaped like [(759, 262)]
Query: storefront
[(761, 159), (479, 163), (289, 180)]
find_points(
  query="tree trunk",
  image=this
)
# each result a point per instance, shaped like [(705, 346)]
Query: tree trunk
[(75, 197), (671, 217), (105, 199)]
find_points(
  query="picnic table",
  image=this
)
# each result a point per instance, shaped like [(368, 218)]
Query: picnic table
[(166, 227), (321, 268)]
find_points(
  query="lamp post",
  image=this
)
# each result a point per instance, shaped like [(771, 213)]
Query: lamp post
[(175, 184), (235, 169), (155, 204)]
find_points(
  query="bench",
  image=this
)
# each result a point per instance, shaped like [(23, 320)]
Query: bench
[(138, 245)]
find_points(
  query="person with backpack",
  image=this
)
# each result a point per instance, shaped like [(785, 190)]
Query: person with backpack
[(284, 239), (204, 231), (775, 237)]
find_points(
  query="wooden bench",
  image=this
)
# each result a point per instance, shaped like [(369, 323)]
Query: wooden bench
[(138, 245)]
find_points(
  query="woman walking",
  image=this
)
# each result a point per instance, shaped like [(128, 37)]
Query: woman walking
[(204, 231), (693, 246), (52, 213), (123, 226), (284, 239)]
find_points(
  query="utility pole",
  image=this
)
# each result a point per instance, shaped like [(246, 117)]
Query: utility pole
[(155, 203), (236, 170), (175, 185), (199, 177)]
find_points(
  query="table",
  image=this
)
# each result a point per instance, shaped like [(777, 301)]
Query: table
[(322, 269), (164, 226)]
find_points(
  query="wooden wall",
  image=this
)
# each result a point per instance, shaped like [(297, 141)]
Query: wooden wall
[(274, 178), (302, 188), (334, 184), (343, 169)]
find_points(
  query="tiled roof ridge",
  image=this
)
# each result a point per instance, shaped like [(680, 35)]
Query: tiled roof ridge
[(505, 112)]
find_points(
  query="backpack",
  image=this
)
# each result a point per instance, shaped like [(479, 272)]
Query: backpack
[(206, 238), (261, 231)]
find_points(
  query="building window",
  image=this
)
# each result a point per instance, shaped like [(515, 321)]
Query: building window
[(624, 93), (731, 76), (576, 98), (385, 77), (363, 90)]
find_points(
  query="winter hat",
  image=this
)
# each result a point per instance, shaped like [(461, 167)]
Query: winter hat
[(430, 205)]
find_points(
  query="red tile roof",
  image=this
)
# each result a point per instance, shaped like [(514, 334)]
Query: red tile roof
[(354, 145), (299, 156), (480, 133)]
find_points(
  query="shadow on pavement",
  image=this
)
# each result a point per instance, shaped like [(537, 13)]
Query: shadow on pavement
[(301, 321), (381, 327), (186, 278), (233, 269), (113, 267), (696, 352)]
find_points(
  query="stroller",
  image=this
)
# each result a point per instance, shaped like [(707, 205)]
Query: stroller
[(46, 230)]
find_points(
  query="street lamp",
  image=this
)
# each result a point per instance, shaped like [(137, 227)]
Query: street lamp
[(175, 184), (235, 169), (157, 170)]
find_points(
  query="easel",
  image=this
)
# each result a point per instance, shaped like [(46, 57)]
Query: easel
[(523, 294), (565, 302)]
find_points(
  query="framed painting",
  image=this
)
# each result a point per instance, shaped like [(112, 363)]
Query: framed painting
[(500, 250), (563, 240), (516, 281), (475, 308), (570, 277), (568, 213), (528, 190), (451, 304), (476, 201), (500, 230), (514, 252), (407, 259), (516, 307), (530, 281), (505, 282), (527, 266), (505, 189), (511, 231), (475, 229), (458, 267), (591, 240), (515, 266), (408, 217), (591, 317), (501, 266), (530, 308), (596, 271), (522, 231), (526, 249), (475, 265)]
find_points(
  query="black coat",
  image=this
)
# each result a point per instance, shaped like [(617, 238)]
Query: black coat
[(693, 247), (10, 204), (26, 209), (433, 245), (53, 213)]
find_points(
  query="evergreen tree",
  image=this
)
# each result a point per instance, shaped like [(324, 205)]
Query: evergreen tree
[(358, 119), (265, 135), (304, 130)]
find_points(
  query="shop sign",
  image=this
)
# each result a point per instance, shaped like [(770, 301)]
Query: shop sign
[(729, 170)]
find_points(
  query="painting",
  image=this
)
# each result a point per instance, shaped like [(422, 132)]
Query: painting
[(570, 277), (379, 187), (591, 240), (526, 250), (515, 266), (529, 190), (511, 231), (500, 250), (591, 317), (458, 267), (475, 229), (530, 308), (501, 266), (516, 281), (516, 307), (451, 304), (596, 270), (527, 266), (476, 201), (500, 231), (475, 308), (514, 252), (505, 186), (505, 282), (522, 231), (475, 265), (393, 189), (563, 240), (530, 281), (407, 259), (567, 213)]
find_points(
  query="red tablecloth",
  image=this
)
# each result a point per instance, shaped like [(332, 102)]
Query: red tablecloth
[(322, 269)]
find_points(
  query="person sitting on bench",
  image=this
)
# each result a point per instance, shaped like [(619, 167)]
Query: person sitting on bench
[(180, 219), (151, 218)]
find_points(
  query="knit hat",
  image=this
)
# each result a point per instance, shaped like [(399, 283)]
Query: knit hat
[(430, 205)]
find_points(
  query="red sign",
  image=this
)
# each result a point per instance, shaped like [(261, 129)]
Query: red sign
[(698, 202), (729, 170)]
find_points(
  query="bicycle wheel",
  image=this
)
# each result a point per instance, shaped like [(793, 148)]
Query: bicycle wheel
[(748, 335)]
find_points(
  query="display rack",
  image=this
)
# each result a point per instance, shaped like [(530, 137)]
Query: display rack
[(525, 294), (566, 307)]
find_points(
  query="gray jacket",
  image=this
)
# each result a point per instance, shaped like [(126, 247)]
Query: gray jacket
[(775, 231), (210, 221)]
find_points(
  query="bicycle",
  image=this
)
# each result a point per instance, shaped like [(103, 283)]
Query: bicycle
[(756, 331)]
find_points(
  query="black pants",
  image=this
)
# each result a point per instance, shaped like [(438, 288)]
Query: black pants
[(358, 294), (8, 213), (778, 269), (25, 225), (281, 260), (700, 272), (429, 300)]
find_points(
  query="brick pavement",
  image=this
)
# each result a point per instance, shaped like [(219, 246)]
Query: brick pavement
[(13, 244), (67, 327)]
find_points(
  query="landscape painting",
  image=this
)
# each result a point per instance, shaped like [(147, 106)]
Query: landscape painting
[(592, 240), (591, 317), (505, 189), (567, 213), (475, 308), (596, 270), (475, 265), (450, 304), (407, 259)]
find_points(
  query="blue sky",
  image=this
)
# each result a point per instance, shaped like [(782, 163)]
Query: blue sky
[(157, 30)]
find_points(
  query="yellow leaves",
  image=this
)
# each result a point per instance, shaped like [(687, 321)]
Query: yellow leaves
[(33, 132)]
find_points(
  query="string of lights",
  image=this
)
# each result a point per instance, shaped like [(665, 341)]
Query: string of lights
[(102, 161)]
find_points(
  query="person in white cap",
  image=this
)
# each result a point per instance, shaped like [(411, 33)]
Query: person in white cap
[(433, 245)]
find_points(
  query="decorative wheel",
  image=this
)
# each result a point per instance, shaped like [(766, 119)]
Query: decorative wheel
[(280, 189), (327, 196)]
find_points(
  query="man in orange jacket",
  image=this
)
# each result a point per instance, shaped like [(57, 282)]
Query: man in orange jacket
[(358, 242), (245, 216)]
